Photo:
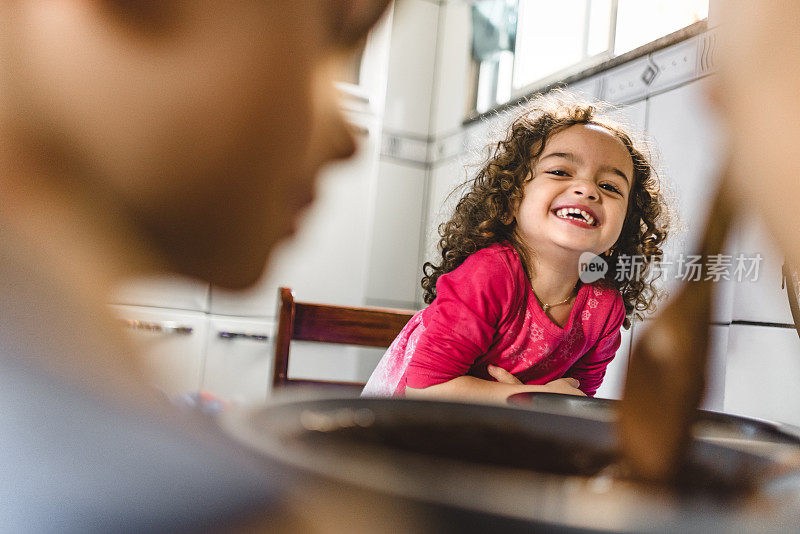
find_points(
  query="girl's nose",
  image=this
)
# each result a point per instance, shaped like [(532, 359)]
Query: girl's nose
[(586, 189)]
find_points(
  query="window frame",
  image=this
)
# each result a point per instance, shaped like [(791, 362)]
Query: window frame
[(585, 68), (578, 72)]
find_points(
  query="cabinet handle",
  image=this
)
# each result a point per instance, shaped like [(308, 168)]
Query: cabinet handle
[(263, 338), (162, 327)]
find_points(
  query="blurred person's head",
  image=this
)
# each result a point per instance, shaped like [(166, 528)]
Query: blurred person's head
[(200, 124)]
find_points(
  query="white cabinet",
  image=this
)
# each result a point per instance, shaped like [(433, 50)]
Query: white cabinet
[(239, 359), (173, 343), (762, 377)]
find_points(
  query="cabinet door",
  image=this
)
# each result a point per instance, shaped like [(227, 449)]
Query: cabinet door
[(327, 260), (173, 343), (762, 377), (239, 359)]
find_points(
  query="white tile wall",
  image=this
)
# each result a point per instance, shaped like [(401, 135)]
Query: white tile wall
[(762, 299), (411, 67), (452, 68), (614, 381), (762, 377), (717, 361), (691, 148), (690, 144), (627, 82), (476, 136), (374, 64), (634, 115), (444, 192), (394, 262), (404, 148), (675, 65), (588, 88)]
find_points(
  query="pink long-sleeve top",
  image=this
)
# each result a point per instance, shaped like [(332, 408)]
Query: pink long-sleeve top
[(485, 313)]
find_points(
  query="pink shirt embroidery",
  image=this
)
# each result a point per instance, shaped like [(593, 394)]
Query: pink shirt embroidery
[(485, 313)]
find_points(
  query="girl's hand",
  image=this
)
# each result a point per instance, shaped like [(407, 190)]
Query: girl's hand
[(503, 376), (565, 386)]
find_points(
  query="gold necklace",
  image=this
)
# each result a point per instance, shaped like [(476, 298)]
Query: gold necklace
[(546, 306)]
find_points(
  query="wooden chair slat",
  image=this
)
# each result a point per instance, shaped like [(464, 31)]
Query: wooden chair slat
[(368, 327), (353, 326)]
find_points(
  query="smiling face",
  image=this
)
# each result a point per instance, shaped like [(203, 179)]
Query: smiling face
[(577, 199)]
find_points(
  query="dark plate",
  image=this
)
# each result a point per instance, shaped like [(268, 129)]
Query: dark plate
[(532, 468), (709, 425)]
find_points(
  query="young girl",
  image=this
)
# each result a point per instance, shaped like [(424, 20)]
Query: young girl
[(508, 311)]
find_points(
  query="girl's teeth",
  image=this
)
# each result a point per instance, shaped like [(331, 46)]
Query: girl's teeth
[(564, 214)]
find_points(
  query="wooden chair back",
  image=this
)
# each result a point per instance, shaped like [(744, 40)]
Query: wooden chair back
[(368, 327)]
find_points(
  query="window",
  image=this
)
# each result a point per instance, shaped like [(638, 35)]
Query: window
[(520, 44)]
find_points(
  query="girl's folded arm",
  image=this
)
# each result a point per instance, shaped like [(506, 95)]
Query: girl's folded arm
[(471, 389)]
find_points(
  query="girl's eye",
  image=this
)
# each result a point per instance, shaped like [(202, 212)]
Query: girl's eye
[(557, 172), (611, 187)]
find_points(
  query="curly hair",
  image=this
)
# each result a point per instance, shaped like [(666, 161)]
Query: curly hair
[(485, 214)]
